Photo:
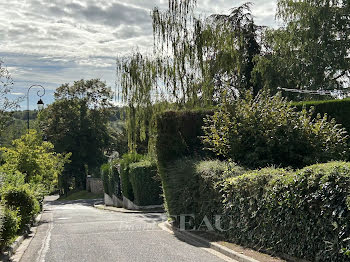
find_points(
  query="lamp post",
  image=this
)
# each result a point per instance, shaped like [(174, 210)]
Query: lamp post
[(40, 102)]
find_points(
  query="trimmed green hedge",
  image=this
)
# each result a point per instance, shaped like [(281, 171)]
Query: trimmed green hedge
[(126, 185), (304, 214), (178, 134), (145, 183), (338, 109), (191, 187), (110, 178)]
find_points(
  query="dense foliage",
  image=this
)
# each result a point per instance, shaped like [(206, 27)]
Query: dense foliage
[(126, 185), (77, 122), (111, 179), (190, 187), (11, 222), (178, 134), (35, 159), (195, 59), (29, 170), (264, 130), (304, 214), (23, 199), (145, 183), (338, 109)]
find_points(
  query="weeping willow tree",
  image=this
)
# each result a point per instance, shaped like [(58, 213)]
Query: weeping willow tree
[(195, 61)]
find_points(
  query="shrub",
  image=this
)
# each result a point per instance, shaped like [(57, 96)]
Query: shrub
[(110, 179), (23, 199), (11, 223), (261, 131), (337, 109), (192, 186), (303, 214), (126, 185), (145, 183), (178, 135), (108, 185)]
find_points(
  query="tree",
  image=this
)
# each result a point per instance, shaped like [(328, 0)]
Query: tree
[(6, 104), (195, 62), (311, 52), (35, 159), (77, 122)]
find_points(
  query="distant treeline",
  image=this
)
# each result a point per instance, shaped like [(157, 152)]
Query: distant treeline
[(117, 113)]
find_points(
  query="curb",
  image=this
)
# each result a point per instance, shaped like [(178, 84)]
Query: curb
[(215, 246), (125, 211), (11, 250)]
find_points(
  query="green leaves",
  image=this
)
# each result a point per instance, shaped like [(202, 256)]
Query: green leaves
[(32, 160), (77, 123), (302, 213), (194, 62), (312, 50), (265, 130)]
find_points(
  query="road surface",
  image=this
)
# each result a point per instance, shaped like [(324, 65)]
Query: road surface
[(76, 231)]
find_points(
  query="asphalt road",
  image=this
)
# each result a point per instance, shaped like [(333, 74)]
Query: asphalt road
[(76, 231)]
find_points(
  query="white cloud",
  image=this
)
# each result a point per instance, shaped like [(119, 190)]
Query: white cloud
[(59, 41)]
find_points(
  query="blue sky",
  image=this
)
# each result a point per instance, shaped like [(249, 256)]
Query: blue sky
[(51, 42)]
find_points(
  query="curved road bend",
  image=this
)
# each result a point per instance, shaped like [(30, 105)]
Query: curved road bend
[(76, 231)]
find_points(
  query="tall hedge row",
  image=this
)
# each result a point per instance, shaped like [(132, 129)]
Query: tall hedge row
[(126, 185), (145, 183), (303, 213), (178, 134), (110, 178), (338, 109), (192, 187)]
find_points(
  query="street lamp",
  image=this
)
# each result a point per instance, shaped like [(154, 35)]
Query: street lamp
[(40, 102)]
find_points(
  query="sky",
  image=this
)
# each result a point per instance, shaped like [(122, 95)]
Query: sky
[(52, 42)]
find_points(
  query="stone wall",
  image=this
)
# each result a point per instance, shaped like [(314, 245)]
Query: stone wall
[(94, 185)]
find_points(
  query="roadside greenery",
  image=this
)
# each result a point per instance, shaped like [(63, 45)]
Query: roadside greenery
[(34, 159), (77, 122), (145, 183), (263, 130), (30, 169), (111, 178), (126, 185), (195, 59)]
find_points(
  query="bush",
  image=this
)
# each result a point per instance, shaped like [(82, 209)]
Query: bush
[(261, 131), (178, 135), (192, 186), (337, 109), (126, 185), (11, 223), (304, 214), (23, 199), (145, 183), (110, 179)]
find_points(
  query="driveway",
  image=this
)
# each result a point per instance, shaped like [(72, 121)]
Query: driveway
[(76, 231)]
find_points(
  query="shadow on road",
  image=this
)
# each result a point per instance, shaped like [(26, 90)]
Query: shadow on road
[(54, 201)]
